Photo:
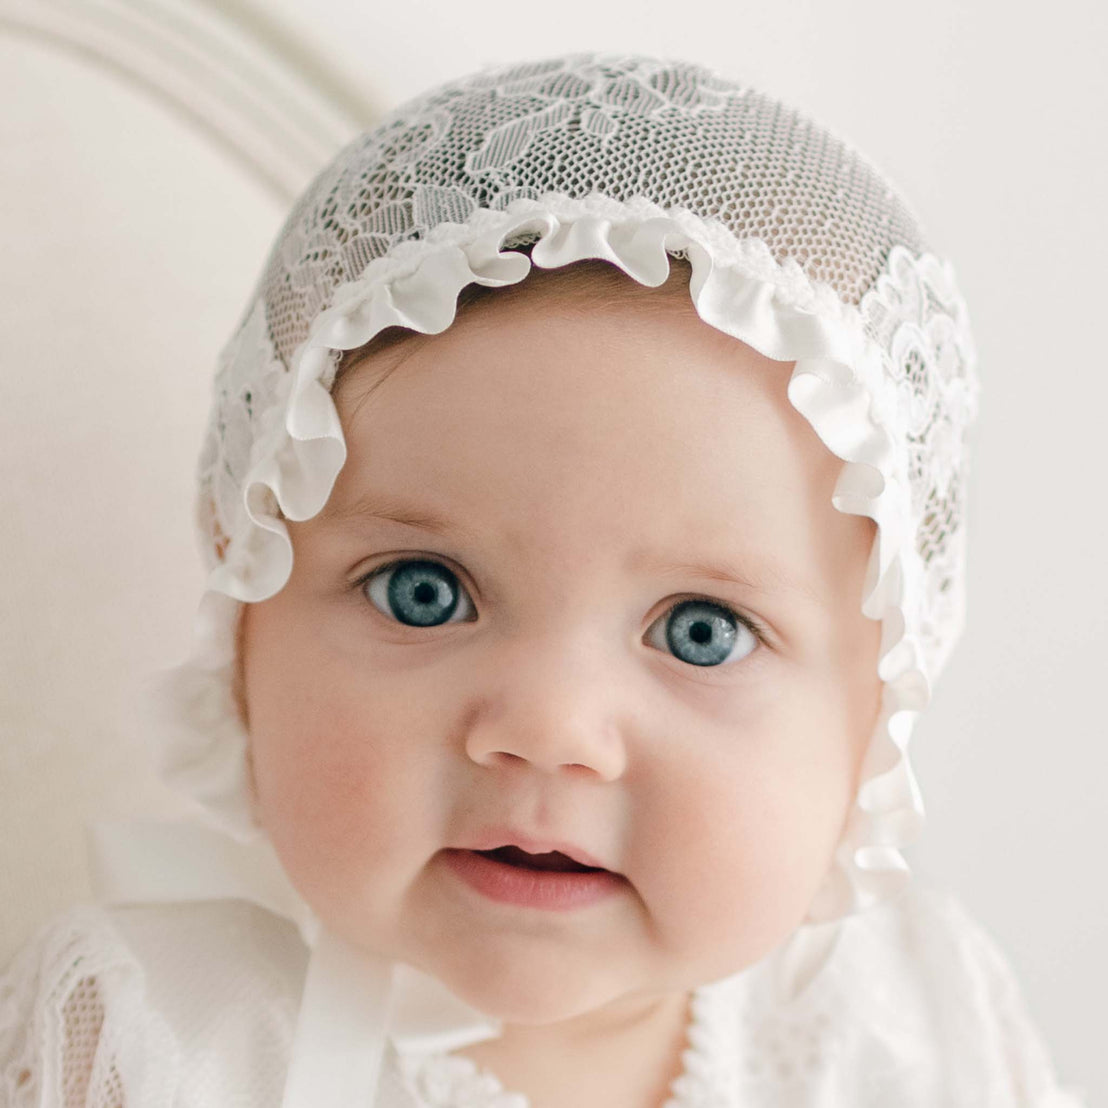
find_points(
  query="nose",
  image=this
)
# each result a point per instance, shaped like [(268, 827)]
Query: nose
[(556, 709)]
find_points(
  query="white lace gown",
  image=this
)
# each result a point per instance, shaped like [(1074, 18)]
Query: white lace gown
[(194, 1006)]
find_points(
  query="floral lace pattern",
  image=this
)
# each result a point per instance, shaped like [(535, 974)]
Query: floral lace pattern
[(917, 316), (621, 127), (248, 384)]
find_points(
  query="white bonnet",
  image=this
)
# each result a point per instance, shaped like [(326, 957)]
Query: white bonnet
[(797, 246)]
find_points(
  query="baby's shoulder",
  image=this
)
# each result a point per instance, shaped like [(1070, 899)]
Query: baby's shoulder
[(921, 962), (909, 1003), (934, 989), (924, 918), (928, 941), (150, 1000)]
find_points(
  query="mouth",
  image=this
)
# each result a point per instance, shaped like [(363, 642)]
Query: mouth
[(552, 861), (550, 880)]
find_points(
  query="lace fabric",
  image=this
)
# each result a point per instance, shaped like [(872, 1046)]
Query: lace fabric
[(621, 127), (71, 1022), (192, 1006)]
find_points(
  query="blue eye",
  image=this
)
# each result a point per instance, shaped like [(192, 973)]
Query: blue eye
[(422, 593), (705, 634), (417, 593)]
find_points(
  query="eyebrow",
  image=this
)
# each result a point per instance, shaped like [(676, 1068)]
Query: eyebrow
[(375, 505), (770, 575)]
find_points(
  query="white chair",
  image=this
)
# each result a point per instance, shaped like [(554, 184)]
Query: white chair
[(150, 152)]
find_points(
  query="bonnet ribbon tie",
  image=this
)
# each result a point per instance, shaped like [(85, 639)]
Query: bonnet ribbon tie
[(353, 1002)]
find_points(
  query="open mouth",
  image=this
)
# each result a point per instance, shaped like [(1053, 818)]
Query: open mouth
[(553, 861), (552, 880)]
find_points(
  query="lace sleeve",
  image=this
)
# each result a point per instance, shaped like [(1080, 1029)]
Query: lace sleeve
[(73, 1032)]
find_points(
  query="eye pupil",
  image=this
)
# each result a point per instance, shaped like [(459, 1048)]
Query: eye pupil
[(700, 632), (424, 593)]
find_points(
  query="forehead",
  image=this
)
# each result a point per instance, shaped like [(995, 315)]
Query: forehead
[(568, 426)]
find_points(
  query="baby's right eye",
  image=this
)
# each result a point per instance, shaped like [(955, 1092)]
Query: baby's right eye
[(417, 593)]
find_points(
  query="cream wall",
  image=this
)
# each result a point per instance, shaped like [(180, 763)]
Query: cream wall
[(130, 248)]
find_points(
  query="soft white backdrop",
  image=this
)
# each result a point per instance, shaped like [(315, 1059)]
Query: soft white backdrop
[(130, 243)]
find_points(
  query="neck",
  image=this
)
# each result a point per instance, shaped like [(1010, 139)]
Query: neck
[(627, 1053)]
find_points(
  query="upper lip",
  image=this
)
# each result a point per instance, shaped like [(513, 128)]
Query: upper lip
[(493, 837)]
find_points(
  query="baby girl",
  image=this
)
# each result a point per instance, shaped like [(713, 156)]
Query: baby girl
[(584, 500)]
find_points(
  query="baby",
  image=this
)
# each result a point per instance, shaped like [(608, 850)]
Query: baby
[(584, 502), (580, 592)]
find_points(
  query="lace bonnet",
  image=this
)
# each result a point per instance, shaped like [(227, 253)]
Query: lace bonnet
[(798, 247)]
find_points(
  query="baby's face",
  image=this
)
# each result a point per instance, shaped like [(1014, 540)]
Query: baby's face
[(580, 581)]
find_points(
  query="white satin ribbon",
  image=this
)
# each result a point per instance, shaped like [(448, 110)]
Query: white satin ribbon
[(341, 1029)]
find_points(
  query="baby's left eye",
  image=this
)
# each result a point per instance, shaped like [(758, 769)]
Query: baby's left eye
[(704, 634)]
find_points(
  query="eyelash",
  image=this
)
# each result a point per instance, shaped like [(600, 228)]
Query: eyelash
[(743, 620)]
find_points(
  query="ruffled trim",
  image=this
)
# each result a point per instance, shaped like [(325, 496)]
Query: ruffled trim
[(839, 384), (454, 1081), (708, 1078)]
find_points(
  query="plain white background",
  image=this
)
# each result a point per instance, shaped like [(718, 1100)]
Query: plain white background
[(127, 262)]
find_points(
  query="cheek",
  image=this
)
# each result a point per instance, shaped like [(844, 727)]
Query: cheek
[(340, 789), (742, 832)]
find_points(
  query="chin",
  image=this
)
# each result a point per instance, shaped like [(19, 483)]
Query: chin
[(526, 991)]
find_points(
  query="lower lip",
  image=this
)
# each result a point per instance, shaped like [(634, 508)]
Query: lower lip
[(532, 888)]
